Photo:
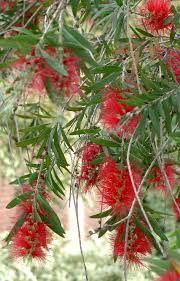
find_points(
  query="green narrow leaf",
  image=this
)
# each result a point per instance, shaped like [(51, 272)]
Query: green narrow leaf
[(86, 131), (55, 186), (155, 120), (65, 138), (49, 216), (156, 228), (57, 178), (142, 124), (145, 33), (103, 142), (21, 179), (35, 211), (27, 142), (58, 151), (167, 112), (59, 68), (74, 4), (74, 35), (102, 214), (19, 199)]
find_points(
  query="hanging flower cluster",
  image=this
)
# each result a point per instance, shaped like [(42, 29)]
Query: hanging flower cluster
[(115, 186), (138, 244), (89, 171), (156, 13), (113, 108), (33, 237), (43, 73), (115, 190)]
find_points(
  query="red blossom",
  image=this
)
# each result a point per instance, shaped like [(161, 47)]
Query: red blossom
[(170, 276), (33, 237), (89, 172), (115, 186), (176, 211), (43, 72), (30, 240), (157, 177), (112, 109), (156, 12), (139, 245), (173, 61)]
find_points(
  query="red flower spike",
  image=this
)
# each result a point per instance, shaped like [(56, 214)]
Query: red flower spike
[(139, 244), (170, 276), (173, 61), (158, 180), (176, 211), (42, 72), (89, 172), (30, 240), (112, 109), (156, 11), (115, 186)]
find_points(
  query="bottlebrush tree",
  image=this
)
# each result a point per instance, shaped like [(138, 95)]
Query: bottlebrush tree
[(91, 89)]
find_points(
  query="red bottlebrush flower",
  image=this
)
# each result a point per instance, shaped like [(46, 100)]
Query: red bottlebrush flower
[(139, 245), (70, 83), (115, 186), (170, 276), (156, 12), (157, 178), (43, 72), (89, 172), (112, 109), (30, 240), (176, 211), (129, 127), (173, 61)]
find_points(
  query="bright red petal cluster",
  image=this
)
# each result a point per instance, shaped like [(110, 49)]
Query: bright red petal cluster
[(173, 61), (115, 186), (156, 11), (32, 238), (158, 180), (111, 111), (43, 72), (139, 245), (112, 108), (170, 276), (176, 211), (89, 172)]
